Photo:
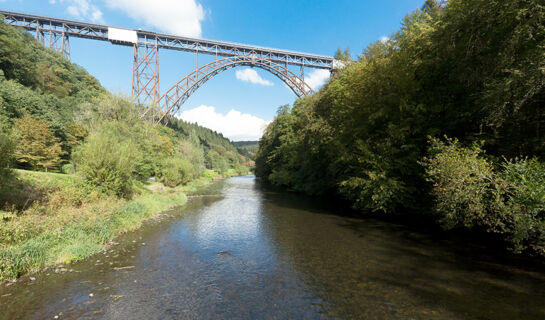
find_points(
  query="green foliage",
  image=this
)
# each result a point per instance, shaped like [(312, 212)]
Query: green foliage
[(75, 135), (216, 161), (68, 169), (522, 212), (219, 153), (461, 180), (37, 147), (469, 193), (6, 156), (40, 82), (106, 159), (26, 61), (344, 56), (176, 171), (247, 148), (57, 230), (192, 151), (209, 174), (109, 108)]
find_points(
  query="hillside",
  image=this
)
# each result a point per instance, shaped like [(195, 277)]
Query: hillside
[(247, 148)]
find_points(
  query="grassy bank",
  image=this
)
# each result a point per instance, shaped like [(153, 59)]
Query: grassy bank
[(58, 218)]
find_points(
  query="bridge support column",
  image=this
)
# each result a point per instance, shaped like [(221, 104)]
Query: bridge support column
[(145, 73)]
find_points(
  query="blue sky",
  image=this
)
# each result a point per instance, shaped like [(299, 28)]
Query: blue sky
[(225, 103)]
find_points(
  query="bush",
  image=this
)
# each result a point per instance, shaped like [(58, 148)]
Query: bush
[(106, 160), (460, 178), (468, 192), (176, 171), (192, 151), (523, 215), (209, 174), (6, 155), (68, 168)]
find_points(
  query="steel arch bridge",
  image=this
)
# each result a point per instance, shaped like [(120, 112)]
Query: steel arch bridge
[(55, 33), (175, 97)]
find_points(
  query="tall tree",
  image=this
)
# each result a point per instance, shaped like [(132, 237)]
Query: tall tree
[(37, 147)]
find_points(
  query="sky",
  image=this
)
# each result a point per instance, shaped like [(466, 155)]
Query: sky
[(238, 102)]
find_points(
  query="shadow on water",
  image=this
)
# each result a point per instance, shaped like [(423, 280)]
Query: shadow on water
[(422, 229), (454, 274), (238, 250)]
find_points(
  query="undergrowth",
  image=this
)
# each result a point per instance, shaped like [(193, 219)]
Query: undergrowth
[(58, 218)]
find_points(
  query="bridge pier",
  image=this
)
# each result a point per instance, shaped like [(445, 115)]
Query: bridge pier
[(145, 73)]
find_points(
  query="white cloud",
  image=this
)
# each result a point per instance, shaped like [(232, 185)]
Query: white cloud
[(234, 125), (384, 39), (82, 9), (250, 75), (179, 17), (317, 78)]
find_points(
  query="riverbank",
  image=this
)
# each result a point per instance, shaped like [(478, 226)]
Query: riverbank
[(58, 218)]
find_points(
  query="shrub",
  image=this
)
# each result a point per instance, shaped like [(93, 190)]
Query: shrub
[(106, 160), (209, 174), (68, 168), (460, 178), (176, 171), (468, 192), (375, 191), (523, 215)]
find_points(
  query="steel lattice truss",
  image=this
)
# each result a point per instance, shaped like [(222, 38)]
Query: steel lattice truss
[(54, 33)]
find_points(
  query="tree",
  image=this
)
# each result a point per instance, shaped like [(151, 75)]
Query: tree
[(431, 6), (37, 147), (344, 56), (106, 159), (75, 135), (6, 156)]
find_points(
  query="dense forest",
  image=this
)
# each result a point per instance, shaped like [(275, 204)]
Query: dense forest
[(446, 117), (55, 117)]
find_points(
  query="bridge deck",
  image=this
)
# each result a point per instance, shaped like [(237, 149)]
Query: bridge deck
[(218, 48)]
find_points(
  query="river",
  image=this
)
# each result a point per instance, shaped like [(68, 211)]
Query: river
[(240, 251)]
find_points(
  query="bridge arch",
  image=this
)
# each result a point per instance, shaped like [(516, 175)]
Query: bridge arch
[(173, 99)]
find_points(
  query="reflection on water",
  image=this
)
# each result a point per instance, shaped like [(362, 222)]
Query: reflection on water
[(242, 252)]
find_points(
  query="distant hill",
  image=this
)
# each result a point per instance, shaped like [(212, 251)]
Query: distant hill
[(245, 143), (247, 148)]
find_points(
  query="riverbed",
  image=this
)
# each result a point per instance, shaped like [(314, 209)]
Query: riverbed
[(240, 251)]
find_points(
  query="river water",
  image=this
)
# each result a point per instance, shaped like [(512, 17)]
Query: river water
[(239, 251)]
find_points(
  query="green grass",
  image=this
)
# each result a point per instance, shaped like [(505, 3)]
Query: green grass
[(63, 227), (46, 179)]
